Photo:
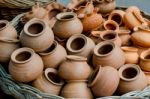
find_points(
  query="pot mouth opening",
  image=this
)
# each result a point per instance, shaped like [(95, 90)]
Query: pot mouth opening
[(23, 56), (110, 26), (145, 55), (35, 28), (109, 36), (3, 24), (117, 18), (66, 16)]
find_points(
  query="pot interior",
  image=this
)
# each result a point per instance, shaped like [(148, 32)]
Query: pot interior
[(51, 48), (2, 25), (105, 49), (129, 73), (64, 17), (147, 57), (110, 26), (109, 36), (23, 56), (117, 18), (35, 28), (54, 77)]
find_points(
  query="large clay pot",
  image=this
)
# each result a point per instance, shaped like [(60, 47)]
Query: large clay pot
[(80, 45), (67, 24), (131, 79), (7, 30), (76, 89), (111, 25), (72, 67), (131, 55), (49, 82), (104, 81), (37, 35), (25, 65), (7, 46), (104, 54), (147, 76), (53, 56)]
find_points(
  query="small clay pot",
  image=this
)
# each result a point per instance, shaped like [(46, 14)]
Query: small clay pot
[(76, 89), (111, 25), (67, 24), (7, 30), (101, 83), (73, 66), (131, 55), (25, 65), (53, 56), (131, 79), (104, 54), (7, 46), (117, 16), (49, 82), (37, 35), (80, 45), (147, 76)]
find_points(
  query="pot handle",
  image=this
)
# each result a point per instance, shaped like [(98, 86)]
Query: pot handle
[(4, 39)]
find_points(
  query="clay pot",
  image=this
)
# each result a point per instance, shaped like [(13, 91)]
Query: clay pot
[(49, 82), (73, 66), (53, 56), (141, 37), (7, 46), (62, 42), (71, 25), (111, 25), (141, 49), (25, 65), (76, 89), (37, 35), (104, 54), (132, 79), (101, 83), (74, 3), (7, 30), (80, 45), (110, 35), (105, 6), (131, 55), (117, 16), (95, 36), (147, 76)]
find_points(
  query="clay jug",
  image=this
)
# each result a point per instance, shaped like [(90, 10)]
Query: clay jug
[(67, 24), (73, 66), (147, 76), (49, 82), (53, 56), (7, 30), (110, 35), (101, 83), (145, 60), (76, 89), (131, 55), (37, 35), (80, 45), (25, 65), (131, 79), (141, 37), (7, 46), (104, 54), (117, 16), (111, 25)]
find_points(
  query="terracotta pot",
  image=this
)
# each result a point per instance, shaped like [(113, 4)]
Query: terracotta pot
[(53, 56), (49, 82), (132, 79), (104, 54), (80, 45), (7, 46), (37, 35), (117, 16), (76, 89), (110, 35), (141, 49), (105, 6), (132, 9), (101, 83), (7, 30), (74, 3), (131, 55), (71, 25), (73, 66), (25, 65), (147, 76), (111, 25), (141, 37)]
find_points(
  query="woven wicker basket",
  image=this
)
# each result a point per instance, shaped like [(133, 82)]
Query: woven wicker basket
[(24, 91)]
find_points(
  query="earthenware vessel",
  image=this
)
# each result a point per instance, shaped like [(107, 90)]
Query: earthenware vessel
[(111, 25), (80, 45), (104, 54), (53, 56), (147, 76), (94, 35), (131, 55), (7, 30), (101, 83), (25, 65), (73, 66), (140, 49), (7, 46), (76, 89), (37, 35), (131, 79), (49, 82), (74, 3)]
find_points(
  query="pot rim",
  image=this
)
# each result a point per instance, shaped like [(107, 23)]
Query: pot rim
[(130, 49), (127, 66), (108, 32), (62, 14), (76, 58), (9, 40), (4, 22), (52, 70), (144, 54), (113, 23)]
